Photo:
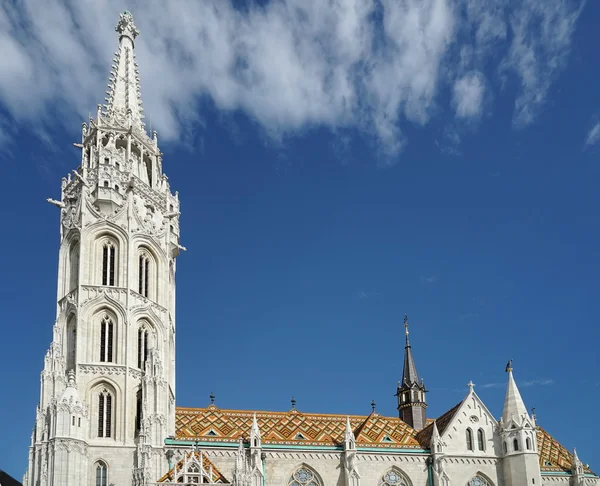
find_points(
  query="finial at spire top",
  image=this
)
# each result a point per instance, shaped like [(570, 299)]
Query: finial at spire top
[(212, 398), (126, 26), (509, 366), (406, 329), (293, 403), (471, 386), (373, 405)]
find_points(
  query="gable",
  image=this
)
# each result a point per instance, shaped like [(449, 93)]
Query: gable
[(471, 415)]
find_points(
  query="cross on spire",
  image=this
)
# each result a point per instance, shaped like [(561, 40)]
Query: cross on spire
[(471, 386)]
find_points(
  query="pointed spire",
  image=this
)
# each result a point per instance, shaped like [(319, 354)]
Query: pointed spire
[(434, 445), (124, 102), (254, 433), (349, 439), (514, 407), (409, 372)]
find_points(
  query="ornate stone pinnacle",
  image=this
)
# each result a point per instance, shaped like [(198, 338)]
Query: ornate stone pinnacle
[(126, 26)]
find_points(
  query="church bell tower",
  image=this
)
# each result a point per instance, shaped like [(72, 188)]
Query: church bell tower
[(412, 405), (107, 397)]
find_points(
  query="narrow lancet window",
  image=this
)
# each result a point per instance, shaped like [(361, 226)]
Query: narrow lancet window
[(481, 440), (104, 413), (469, 439), (108, 264), (144, 274), (106, 340), (142, 347)]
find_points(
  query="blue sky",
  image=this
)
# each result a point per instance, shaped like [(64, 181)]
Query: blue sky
[(339, 165)]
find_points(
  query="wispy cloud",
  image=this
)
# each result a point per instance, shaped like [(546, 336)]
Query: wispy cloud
[(289, 64), (429, 280), (364, 295), (468, 95), (544, 382), (523, 384), (593, 135)]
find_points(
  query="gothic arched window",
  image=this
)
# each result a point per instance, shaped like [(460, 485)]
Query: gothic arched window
[(144, 273), (528, 443), (481, 440), (107, 335), (101, 474), (109, 254), (479, 480), (73, 265), (71, 342), (469, 439), (105, 410), (393, 478), (516, 444), (505, 447), (143, 336), (304, 476)]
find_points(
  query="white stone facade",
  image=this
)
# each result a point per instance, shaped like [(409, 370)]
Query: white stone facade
[(106, 414)]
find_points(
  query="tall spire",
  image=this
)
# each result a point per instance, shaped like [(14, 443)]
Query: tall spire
[(514, 407), (124, 102), (409, 372), (411, 392)]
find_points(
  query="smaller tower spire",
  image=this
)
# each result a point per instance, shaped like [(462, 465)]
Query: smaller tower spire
[(411, 391), (349, 439), (514, 407)]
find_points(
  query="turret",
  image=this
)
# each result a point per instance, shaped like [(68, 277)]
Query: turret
[(411, 392), (438, 457), (256, 455), (577, 470), (519, 438), (352, 476)]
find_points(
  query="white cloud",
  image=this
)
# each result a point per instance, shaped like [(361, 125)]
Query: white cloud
[(289, 65), (541, 31), (429, 280), (468, 95), (593, 135)]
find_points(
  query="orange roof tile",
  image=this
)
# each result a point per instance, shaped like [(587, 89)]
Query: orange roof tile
[(553, 456), (212, 424)]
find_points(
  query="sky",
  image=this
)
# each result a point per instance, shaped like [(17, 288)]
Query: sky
[(340, 163)]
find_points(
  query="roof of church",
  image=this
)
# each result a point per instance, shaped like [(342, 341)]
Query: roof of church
[(553, 456), (212, 424), (206, 464), (6, 480), (442, 422)]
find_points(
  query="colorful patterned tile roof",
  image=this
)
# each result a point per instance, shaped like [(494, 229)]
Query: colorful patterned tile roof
[(212, 424), (553, 456)]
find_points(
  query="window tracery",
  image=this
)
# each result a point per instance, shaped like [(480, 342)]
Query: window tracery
[(143, 338), (109, 253), (304, 476), (394, 478), (144, 274), (479, 480), (106, 339), (105, 403), (101, 474)]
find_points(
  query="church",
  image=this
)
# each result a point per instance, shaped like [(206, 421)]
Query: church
[(107, 413)]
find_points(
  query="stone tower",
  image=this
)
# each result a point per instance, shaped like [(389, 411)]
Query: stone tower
[(517, 429), (412, 404), (107, 397)]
